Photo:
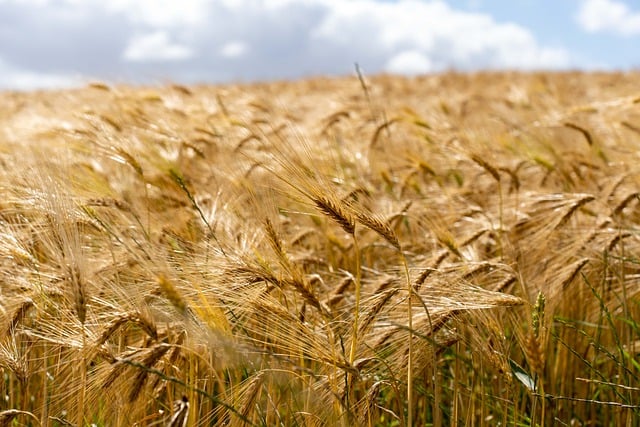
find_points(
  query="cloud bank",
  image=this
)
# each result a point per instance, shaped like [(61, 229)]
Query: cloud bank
[(608, 16), (62, 42)]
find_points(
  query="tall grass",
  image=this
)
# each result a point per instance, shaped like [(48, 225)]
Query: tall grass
[(451, 249)]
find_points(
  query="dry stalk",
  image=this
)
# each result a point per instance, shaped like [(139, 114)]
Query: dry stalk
[(583, 131), (251, 394), (577, 205), (623, 204), (379, 226), (8, 416), (427, 271), (504, 285), (78, 287), (331, 208), (11, 359), (144, 322), (384, 126), (617, 239), (370, 403), (534, 353), (371, 314), (276, 243), (338, 293), (19, 315), (304, 290), (150, 357), (99, 86), (577, 266), (486, 166), (171, 293)]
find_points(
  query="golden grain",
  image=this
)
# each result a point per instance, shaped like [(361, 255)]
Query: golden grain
[(242, 250)]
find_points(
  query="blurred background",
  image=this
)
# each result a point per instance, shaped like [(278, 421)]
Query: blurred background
[(63, 43)]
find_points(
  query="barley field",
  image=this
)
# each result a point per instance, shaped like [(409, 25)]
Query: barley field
[(454, 249)]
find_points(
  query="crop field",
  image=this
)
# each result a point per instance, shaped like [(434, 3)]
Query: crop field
[(453, 249)]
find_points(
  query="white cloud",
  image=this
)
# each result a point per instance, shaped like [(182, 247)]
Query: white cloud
[(409, 62), (609, 16), (234, 49), (443, 36), (20, 79), (156, 46), (202, 40), (158, 13)]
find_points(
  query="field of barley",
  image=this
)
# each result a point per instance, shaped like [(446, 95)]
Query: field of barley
[(453, 249)]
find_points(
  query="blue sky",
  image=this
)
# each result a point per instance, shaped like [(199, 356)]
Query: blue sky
[(558, 23), (61, 43)]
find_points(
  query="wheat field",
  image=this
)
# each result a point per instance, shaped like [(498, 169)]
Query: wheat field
[(453, 249)]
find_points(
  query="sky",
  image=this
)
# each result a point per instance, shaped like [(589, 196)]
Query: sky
[(65, 43)]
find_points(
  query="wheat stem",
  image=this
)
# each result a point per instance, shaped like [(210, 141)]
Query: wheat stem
[(410, 330), (356, 315)]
